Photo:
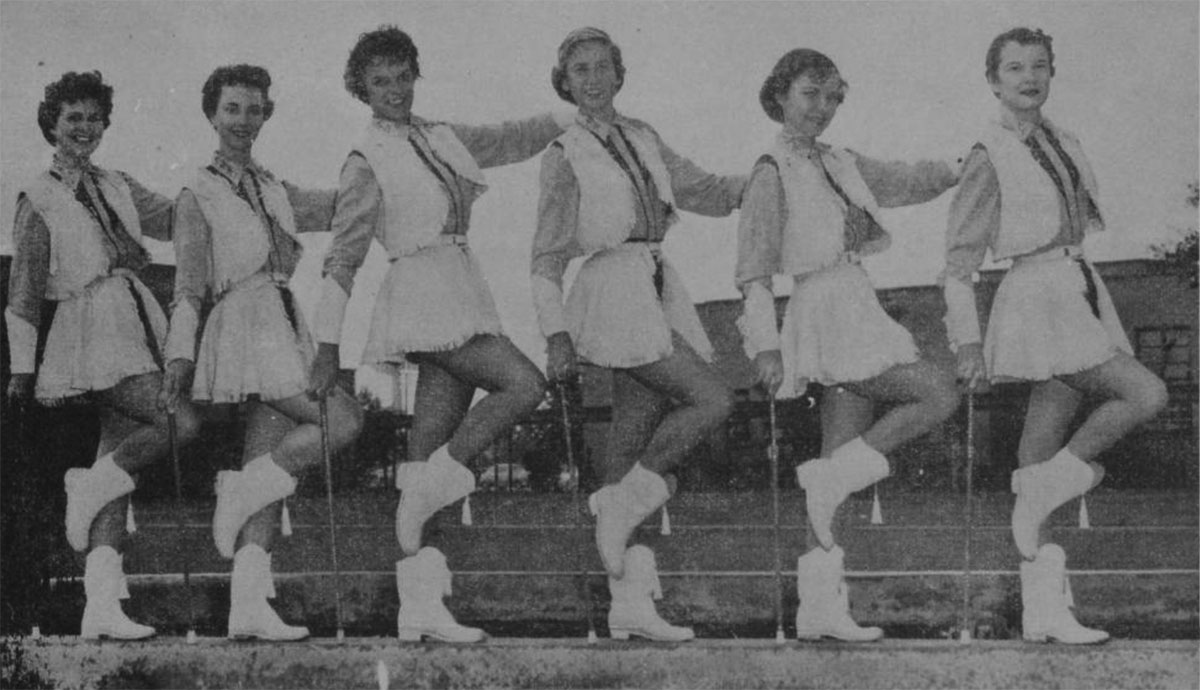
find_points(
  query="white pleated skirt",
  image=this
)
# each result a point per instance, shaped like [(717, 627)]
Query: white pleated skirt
[(249, 347), (1042, 326), (432, 301), (97, 339), (835, 331), (614, 314)]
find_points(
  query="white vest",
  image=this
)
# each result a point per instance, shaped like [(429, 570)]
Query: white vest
[(240, 243), (607, 197), (815, 234), (415, 205), (77, 252), (1030, 203)]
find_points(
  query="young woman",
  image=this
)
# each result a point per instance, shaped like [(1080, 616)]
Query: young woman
[(235, 249), (609, 191), (78, 244), (1028, 194), (410, 184), (810, 213)]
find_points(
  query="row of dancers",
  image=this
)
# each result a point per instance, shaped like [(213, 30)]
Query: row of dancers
[(610, 190)]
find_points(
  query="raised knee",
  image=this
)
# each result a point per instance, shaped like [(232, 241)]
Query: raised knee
[(345, 425), (530, 389), (945, 401), (719, 404), (187, 424), (1153, 400)]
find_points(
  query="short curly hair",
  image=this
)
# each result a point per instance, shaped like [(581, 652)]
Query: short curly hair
[(790, 67), (1019, 35), (73, 87), (558, 75), (387, 42), (249, 76)]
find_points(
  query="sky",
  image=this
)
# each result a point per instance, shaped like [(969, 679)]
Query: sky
[(1126, 84)]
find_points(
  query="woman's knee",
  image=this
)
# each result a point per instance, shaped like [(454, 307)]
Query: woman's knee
[(1151, 399), (187, 423), (346, 422), (528, 388), (717, 403), (943, 400)]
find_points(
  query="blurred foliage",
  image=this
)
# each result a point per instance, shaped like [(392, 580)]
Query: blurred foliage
[(1183, 250)]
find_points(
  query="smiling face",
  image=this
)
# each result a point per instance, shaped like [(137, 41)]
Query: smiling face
[(79, 129), (809, 104), (389, 86), (239, 116), (1022, 81), (591, 79)]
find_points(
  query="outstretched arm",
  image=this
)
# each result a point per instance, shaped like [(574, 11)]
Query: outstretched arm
[(700, 191), (512, 141), (897, 183)]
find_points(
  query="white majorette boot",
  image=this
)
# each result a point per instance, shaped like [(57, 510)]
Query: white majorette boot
[(1046, 601), (104, 585), (824, 609), (619, 508), (426, 488), (241, 494), (632, 611), (250, 586), (421, 581), (1040, 489), (828, 481), (88, 491)]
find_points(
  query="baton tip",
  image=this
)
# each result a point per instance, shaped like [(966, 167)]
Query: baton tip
[(191, 637), (779, 636), (591, 638), (341, 635), (964, 636)]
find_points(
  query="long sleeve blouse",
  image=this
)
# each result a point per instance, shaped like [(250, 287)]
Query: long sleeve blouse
[(194, 271), (360, 198), (764, 220), (973, 224), (30, 268), (559, 239)]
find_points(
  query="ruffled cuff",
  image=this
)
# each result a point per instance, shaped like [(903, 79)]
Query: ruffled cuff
[(22, 343), (962, 319), (757, 322), (181, 337), (548, 303), (327, 327)]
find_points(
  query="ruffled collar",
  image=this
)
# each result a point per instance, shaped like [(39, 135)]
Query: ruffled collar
[(234, 170), (1023, 128), (400, 129), (802, 146), (599, 127), (70, 170)]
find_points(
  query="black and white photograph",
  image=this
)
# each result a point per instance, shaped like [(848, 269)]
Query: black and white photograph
[(599, 344)]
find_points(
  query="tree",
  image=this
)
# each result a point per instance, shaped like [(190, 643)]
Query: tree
[(1183, 251)]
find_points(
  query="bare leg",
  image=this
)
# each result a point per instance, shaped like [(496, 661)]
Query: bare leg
[(925, 397), (290, 431), (844, 417), (441, 403), (515, 388), (301, 447), (704, 403), (636, 413), (134, 430), (1052, 406), (1133, 396)]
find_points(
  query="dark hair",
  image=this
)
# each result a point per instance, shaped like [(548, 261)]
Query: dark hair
[(73, 87), (790, 67), (249, 76), (387, 42), (1022, 36), (558, 75)]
